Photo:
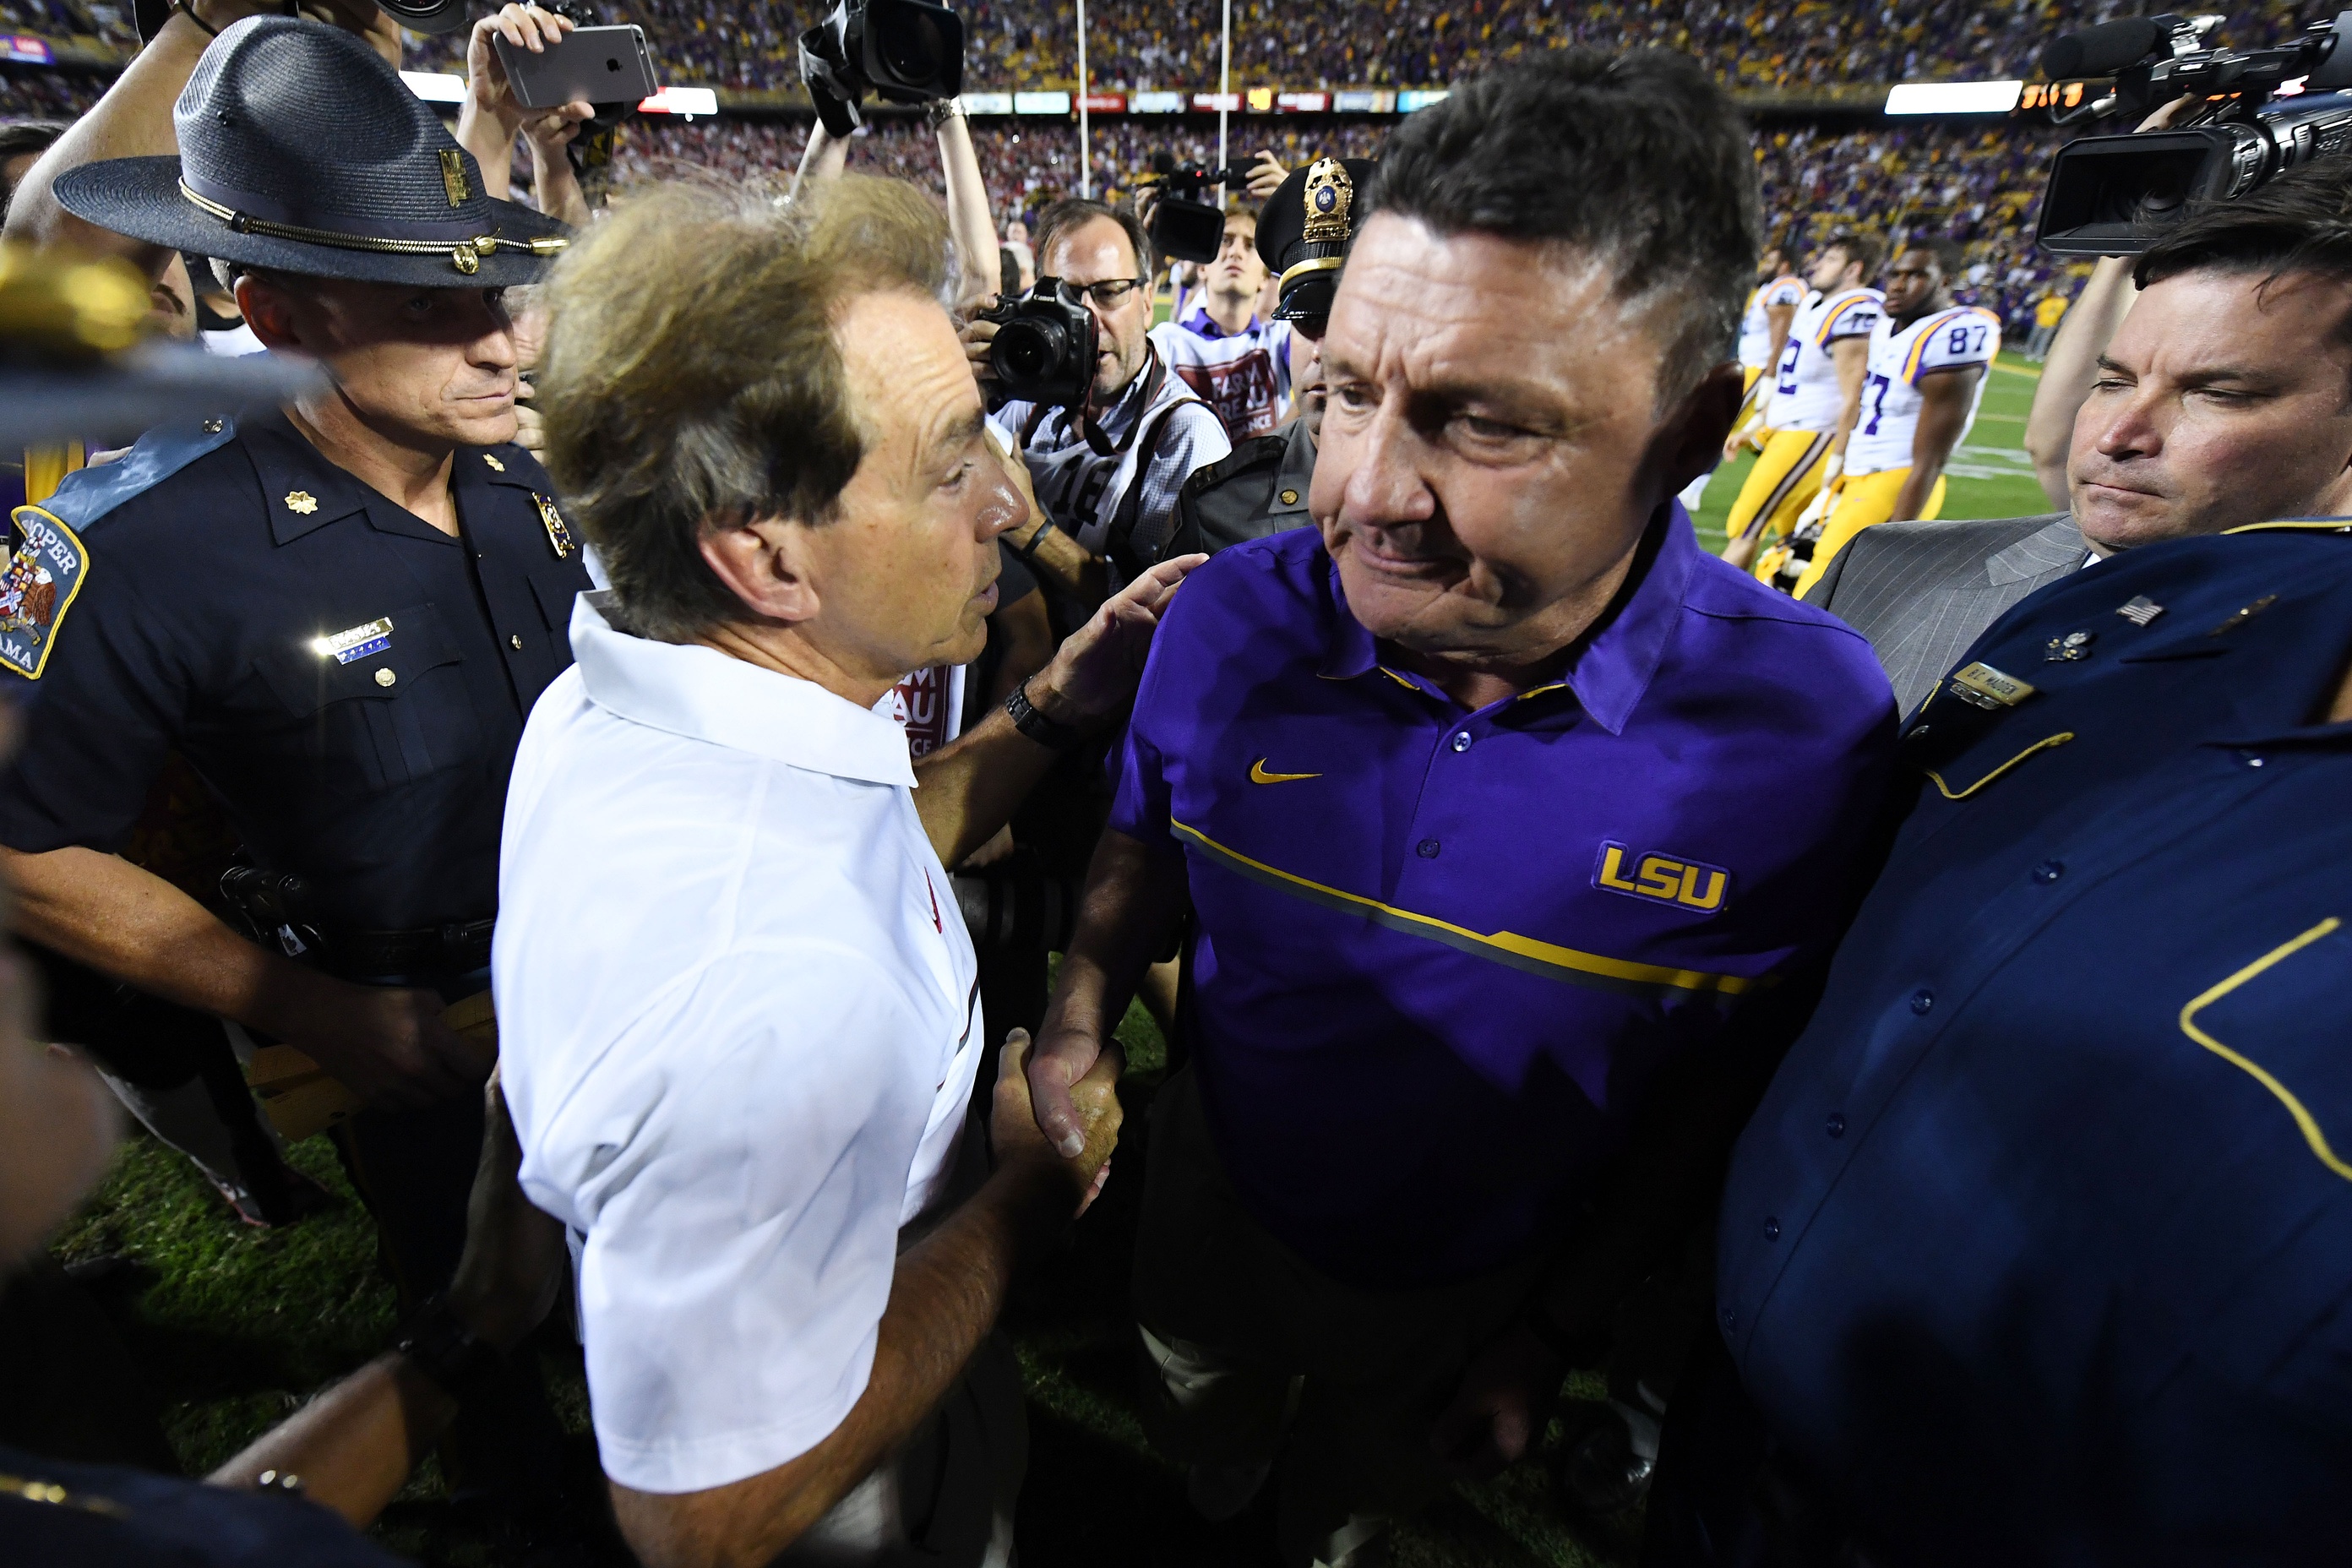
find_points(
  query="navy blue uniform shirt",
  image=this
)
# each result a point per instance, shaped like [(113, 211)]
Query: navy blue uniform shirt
[(58, 1515), (2039, 1249), (349, 680)]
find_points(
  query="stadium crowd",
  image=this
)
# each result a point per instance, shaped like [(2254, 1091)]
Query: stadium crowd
[(1143, 44), (1978, 187), (662, 723)]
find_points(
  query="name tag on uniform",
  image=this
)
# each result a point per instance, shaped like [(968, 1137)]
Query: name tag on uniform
[(359, 642), (1986, 687)]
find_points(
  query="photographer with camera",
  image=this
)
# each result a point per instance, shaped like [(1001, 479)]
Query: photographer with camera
[(1103, 432)]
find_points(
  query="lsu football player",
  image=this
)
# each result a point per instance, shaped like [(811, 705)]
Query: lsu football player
[(1925, 376), (1816, 384)]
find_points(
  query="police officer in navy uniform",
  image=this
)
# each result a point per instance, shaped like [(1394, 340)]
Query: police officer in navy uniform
[(1261, 487), (339, 611)]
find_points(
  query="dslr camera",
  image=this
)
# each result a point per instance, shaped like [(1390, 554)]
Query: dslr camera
[(2261, 112), (1183, 226), (902, 50), (1044, 347)]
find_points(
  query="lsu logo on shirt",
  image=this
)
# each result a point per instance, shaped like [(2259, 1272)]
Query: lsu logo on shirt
[(1661, 878)]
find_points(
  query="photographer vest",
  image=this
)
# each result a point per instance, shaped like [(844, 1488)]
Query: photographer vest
[(1095, 489)]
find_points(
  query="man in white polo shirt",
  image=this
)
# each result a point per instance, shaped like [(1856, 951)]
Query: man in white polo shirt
[(737, 1005)]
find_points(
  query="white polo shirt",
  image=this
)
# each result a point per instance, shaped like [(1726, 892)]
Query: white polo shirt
[(739, 1020)]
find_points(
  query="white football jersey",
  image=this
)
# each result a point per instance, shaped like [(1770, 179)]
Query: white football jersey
[(1805, 388), (1940, 339), (1756, 327)]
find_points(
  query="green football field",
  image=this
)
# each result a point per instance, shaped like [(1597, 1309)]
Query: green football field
[(1989, 475), (230, 1328)]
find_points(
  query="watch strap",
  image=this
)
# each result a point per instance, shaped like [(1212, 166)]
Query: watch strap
[(1048, 733), (437, 1342)]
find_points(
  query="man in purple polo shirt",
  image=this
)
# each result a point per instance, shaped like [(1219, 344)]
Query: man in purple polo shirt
[(1488, 960)]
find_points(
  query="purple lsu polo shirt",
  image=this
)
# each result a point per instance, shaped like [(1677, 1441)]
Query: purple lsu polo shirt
[(1440, 954)]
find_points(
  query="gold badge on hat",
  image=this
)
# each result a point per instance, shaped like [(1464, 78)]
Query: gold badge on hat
[(302, 501), (453, 177), (1329, 194), (559, 532)]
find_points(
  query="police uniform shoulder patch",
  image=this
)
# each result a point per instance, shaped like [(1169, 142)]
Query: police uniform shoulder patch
[(45, 567)]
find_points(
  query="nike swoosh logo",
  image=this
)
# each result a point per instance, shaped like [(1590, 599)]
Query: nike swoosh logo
[(1259, 775)]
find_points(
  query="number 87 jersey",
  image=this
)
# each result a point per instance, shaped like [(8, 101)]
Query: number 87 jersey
[(1900, 358)]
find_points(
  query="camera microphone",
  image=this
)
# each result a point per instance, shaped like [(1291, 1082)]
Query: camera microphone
[(2105, 49)]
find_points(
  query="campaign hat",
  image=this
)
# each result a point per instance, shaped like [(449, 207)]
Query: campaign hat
[(302, 150), (1304, 230)]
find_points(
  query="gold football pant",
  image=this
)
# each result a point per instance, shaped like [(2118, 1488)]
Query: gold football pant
[(1864, 500), (1785, 479)]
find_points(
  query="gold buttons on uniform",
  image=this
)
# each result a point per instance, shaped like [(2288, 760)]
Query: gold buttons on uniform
[(1290, 498), (515, 642), (386, 677)]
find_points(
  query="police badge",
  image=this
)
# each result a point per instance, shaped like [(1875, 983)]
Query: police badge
[(1329, 194), (46, 564)]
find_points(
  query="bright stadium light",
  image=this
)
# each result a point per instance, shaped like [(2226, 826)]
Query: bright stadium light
[(686, 101), (432, 87), (1954, 97)]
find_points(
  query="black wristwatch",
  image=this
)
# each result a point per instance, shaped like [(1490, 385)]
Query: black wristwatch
[(439, 1344), (1028, 553), (1047, 732)]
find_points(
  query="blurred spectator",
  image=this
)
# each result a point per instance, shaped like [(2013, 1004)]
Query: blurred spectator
[(2048, 311)]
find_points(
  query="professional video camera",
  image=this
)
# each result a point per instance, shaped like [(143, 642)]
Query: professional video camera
[(2264, 112), (1044, 347), (903, 50), (1183, 226)]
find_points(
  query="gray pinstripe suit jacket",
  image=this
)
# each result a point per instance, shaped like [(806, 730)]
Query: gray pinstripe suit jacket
[(1921, 592)]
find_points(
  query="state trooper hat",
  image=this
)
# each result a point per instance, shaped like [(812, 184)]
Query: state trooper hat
[(302, 151), (1304, 230)]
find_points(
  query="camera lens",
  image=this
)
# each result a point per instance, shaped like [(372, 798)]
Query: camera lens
[(912, 47), (1026, 351)]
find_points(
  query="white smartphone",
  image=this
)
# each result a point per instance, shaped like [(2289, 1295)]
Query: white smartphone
[(594, 65)]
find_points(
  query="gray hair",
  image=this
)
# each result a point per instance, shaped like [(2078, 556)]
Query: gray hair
[(692, 380)]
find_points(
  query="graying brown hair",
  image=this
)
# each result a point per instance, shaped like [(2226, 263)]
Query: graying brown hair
[(1639, 162), (692, 380)]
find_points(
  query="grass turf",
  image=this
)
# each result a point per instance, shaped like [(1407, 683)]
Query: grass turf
[(233, 1327)]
